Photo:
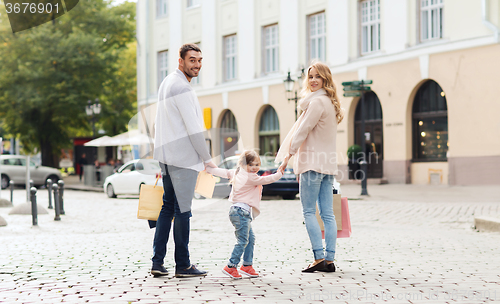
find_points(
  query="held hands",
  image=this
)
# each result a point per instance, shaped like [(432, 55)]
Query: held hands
[(210, 164), (283, 165)]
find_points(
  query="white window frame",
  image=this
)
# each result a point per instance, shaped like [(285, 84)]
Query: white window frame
[(317, 36), (431, 19), (270, 41), (370, 26), (161, 8), (193, 3), (230, 57), (162, 65)]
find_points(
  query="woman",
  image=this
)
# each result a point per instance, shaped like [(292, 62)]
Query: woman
[(312, 141)]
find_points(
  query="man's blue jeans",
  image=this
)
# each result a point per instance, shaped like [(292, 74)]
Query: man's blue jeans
[(241, 220), (169, 210), (318, 187)]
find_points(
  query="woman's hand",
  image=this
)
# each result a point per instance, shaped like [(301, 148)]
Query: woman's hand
[(283, 165)]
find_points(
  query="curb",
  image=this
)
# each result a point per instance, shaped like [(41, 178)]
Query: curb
[(485, 223)]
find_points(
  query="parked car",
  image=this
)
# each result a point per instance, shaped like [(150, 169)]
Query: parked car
[(287, 186), (129, 177), (13, 167)]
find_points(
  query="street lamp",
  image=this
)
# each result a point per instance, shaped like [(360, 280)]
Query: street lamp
[(289, 84), (93, 109)]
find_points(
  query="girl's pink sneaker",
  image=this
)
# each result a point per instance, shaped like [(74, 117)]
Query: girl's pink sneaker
[(249, 271)]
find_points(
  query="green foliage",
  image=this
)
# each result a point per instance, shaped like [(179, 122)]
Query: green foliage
[(48, 73), (354, 152)]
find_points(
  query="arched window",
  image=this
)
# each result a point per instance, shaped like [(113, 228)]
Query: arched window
[(373, 133), (430, 123), (269, 132), (228, 135)]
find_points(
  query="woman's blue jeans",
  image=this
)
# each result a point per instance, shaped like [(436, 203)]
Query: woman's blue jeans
[(318, 187), (245, 239)]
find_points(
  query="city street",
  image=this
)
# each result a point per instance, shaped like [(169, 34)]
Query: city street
[(410, 244)]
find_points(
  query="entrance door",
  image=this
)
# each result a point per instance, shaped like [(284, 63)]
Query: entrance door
[(373, 133)]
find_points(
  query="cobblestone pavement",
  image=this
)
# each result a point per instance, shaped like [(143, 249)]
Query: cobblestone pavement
[(410, 244)]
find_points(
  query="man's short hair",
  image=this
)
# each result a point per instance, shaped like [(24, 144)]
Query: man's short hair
[(188, 47)]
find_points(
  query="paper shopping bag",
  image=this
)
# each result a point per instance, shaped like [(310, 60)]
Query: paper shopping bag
[(341, 212), (337, 211), (150, 202), (346, 221), (205, 184)]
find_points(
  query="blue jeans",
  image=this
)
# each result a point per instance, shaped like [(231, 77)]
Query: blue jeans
[(241, 220), (317, 187), (169, 211)]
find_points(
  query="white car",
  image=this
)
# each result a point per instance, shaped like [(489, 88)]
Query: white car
[(13, 167), (129, 178)]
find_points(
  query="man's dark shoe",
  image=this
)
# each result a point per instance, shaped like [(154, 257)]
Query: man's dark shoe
[(329, 268), (159, 270), (317, 267), (191, 271)]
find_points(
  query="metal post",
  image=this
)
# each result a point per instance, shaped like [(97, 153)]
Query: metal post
[(11, 183), (55, 187), (49, 187), (27, 178), (363, 143), (61, 196), (34, 211), (32, 184)]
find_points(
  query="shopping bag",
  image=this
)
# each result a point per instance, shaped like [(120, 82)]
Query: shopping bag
[(341, 212), (205, 184), (150, 201)]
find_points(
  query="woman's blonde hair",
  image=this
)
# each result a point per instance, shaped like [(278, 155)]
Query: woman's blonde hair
[(328, 84), (246, 157)]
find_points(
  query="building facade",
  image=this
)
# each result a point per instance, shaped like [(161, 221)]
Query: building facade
[(431, 115)]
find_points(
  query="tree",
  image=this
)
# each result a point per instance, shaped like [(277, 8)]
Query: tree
[(48, 73)]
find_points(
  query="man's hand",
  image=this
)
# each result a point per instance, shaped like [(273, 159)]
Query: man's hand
[(210, 164)]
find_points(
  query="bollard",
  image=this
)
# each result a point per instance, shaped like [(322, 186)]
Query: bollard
[(32, 184), (56, 202), (49, 187), (11, 183), (34, 211), (61, 196), (364, 169)]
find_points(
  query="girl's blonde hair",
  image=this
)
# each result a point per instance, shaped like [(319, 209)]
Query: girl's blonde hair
[(328, 84), (246, 157)]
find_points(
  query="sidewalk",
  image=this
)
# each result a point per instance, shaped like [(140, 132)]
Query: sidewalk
[(410, 244), (72, 182)]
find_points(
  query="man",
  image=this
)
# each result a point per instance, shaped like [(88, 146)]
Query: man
[(82, 162), (182, 152)]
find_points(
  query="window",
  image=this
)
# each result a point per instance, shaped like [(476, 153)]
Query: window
[(230, 57), (269, 132), (228, 135), (431, 19), (162, 66), (161, 8), (370, 26), (317, 37), (430, 123), (192, 3), (271, 47)]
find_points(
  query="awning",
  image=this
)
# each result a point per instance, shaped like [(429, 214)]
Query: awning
[(98, 142)]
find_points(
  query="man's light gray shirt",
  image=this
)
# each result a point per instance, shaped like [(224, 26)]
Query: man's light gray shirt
[(179, 137)]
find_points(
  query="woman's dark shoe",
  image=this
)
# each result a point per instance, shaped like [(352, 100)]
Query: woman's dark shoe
[(329, 268), (317, 267)]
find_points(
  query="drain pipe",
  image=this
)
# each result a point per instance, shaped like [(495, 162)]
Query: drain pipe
[(488, 24)]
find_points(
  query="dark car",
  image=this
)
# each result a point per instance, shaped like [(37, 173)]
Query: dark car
[(287, 186)]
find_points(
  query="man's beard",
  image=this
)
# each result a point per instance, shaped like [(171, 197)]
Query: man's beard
[(190, 73)]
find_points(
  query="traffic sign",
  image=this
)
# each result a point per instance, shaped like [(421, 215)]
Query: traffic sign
[(357, 82), (352, 94), (357, 88)]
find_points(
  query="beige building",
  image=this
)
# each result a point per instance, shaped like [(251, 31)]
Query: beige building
[(432, 115)]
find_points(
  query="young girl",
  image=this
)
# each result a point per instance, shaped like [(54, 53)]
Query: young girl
[(245, 195)]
